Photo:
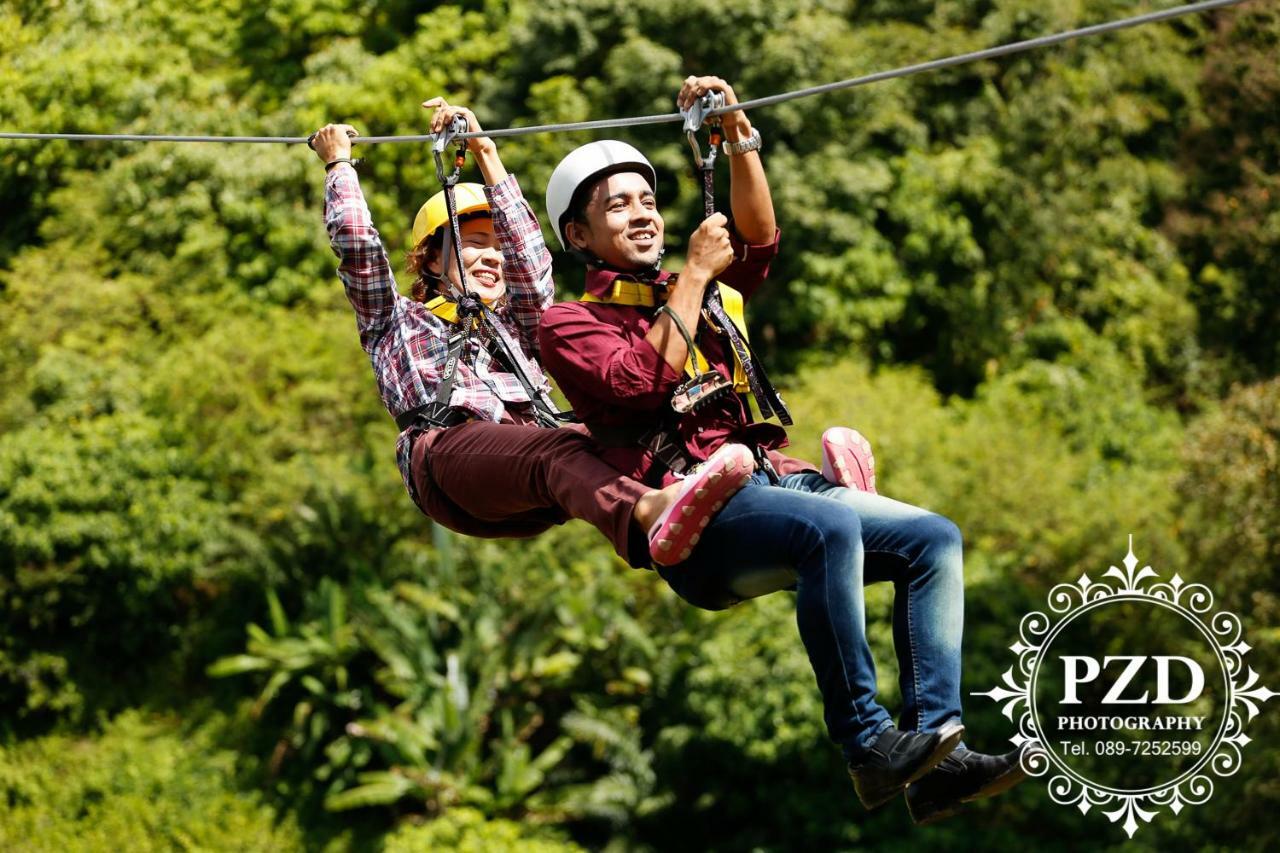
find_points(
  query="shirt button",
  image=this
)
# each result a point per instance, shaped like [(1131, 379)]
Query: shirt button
[(701, 430)]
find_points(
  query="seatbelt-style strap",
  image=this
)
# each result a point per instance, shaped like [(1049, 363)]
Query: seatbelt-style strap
[(767, 396)]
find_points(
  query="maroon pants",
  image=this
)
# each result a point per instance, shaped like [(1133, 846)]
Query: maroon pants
[(509, 480)]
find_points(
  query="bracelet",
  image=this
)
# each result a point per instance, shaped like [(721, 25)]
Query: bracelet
[(328, 166), (751, 143)]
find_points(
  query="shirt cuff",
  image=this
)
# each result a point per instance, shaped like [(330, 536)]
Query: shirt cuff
[(338, 172), (504, 194), (744, 252)]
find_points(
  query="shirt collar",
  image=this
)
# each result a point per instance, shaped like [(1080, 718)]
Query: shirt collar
[(600, 282)]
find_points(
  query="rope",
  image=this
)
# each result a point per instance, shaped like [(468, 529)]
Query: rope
[(605, 124)]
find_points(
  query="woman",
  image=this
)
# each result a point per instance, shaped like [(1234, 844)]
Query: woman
[(478, 463)]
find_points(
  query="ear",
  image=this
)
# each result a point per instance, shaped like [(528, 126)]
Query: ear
[(577, 234), (433, 261)]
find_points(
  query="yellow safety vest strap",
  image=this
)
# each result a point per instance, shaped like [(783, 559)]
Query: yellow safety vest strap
[(444, 309), (641, 295)]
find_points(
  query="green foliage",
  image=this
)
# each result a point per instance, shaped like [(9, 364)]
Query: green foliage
[(146, 783), (468, 831), (1018, 278), (1227, 223), (465, 686), (104, 525), (1231, 487), (1233, 475)]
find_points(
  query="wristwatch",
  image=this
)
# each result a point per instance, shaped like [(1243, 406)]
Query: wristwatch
[(751, 143)]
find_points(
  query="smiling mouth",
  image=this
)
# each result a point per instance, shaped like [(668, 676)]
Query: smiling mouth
[(486, 277), (644, 236)]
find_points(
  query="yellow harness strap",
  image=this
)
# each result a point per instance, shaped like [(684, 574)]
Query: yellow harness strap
[(444, 309), (447, 310), (643, 295)]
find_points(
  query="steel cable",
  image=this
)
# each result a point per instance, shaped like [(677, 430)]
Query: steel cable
[(606, 124)]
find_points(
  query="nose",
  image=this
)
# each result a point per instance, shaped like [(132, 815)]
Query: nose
[(490, 256)]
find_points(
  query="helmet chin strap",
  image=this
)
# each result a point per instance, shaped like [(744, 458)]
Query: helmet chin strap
[(648, 273)]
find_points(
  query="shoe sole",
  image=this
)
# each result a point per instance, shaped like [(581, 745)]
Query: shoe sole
[(847, 460), (949, 736), (674, 535), (942, 814), (998, 785)]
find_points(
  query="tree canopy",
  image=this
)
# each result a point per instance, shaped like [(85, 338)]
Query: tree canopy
[(1043, 286)]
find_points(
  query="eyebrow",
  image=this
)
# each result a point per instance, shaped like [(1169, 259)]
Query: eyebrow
[(625, 196)]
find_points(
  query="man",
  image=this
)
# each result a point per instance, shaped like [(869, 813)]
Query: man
[(620, 361), (470, 449)]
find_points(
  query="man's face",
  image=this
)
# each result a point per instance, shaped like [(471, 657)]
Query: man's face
[(481, 258), (623, 227)]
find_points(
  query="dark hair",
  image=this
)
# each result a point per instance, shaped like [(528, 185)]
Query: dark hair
[(581, 199), (418, 261)]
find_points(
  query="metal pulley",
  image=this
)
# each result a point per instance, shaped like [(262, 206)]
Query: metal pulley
[(456, 127), (452, 235), (698, 114)]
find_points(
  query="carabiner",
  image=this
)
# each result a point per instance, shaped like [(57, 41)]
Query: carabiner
[(697, 115), (457, 127)]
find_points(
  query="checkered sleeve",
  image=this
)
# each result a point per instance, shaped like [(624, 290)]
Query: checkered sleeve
[(362, 261), (526, 262)]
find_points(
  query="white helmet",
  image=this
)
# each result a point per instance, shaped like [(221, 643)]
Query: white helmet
[(585, 165)]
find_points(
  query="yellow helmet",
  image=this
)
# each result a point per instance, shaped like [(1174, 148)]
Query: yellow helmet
[(469, 198)]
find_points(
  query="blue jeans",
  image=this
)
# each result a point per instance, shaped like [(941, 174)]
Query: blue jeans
[(826, 542)]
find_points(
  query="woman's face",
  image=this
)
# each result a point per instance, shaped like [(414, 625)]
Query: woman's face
[(481, 258)]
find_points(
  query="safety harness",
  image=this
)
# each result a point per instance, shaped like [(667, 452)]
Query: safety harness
[(722, 312), (713, 306), (472, 317)]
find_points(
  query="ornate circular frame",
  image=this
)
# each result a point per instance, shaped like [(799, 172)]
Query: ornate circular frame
[(1222, 630)]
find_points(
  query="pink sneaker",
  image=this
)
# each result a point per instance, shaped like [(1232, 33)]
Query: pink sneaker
[(847, 460), (701, 495)]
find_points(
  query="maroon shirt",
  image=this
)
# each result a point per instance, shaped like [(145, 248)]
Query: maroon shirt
[(612, 376)]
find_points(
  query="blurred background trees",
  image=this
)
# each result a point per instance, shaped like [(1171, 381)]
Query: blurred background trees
[(1043, 286)]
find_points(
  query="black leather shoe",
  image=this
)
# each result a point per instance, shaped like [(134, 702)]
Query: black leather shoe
[(899, 758), (962, 777)]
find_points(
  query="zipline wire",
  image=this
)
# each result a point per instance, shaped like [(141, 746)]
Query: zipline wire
[(604, 124)]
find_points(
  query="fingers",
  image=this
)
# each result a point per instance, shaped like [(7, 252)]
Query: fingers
[(331, 131), (695, 87), (444, 115), (332, 141)]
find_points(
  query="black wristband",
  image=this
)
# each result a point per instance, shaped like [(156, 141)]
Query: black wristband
[(328, 166)]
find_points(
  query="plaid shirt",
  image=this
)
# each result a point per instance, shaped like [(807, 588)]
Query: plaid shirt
[(406, 343)]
